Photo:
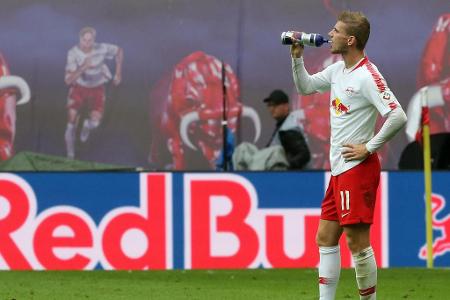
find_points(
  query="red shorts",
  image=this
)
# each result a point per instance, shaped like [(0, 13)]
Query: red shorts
[(93, 98), (350, 196)]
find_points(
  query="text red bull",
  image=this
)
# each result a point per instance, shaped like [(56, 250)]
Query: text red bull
[(171, 220)]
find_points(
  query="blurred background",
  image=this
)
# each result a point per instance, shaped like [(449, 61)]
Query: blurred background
[(161, 35)]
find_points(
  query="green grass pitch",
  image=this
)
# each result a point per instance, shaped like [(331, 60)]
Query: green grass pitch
[(395, 283)]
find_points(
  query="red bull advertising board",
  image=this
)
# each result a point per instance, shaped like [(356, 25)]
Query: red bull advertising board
[(142, 221)]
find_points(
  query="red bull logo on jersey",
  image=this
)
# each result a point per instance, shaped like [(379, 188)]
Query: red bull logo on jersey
[(441, 244), (339, 107)]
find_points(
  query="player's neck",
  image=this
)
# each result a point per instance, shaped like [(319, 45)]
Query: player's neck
[(352, 57)]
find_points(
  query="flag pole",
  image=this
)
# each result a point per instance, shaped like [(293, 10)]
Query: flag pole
[(427, 175)]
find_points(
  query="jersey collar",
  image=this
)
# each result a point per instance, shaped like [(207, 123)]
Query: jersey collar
[(361, 63)]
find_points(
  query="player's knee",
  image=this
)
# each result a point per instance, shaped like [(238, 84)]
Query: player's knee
[(357, 243), (94, 123), (325, 239), (353, 245), (96, 116), (72, 119), (358, 237)]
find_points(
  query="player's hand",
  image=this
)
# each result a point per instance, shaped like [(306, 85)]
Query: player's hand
[(86, 63), (117, 79), (354, 152), (297, 50)]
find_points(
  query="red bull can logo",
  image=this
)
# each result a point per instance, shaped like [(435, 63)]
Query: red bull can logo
[(441, 244), (339, 107)]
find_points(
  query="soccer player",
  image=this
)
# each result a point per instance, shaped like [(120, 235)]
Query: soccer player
[(86, 74), (357, 92)]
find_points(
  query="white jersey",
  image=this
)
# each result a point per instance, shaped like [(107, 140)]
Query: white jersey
[(98, 73), (357, 95)]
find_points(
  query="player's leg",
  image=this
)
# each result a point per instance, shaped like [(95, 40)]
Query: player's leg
[(327, 240), (90, 123), (96, 106), (69, 135), (358, 189), (74, 103), (330, 258), (358, 240)]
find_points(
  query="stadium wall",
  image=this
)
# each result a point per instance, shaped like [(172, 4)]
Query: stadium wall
[(132, 221)]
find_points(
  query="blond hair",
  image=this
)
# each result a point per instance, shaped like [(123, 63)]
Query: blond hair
[(357, 25), (88, 29)]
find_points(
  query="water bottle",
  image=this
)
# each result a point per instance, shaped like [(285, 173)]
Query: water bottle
[(309, 39)]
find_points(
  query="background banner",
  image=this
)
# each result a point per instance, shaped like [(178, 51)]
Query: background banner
[(174, 55), (139, 221)]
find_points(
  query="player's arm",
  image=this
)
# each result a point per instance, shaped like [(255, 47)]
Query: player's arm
[(394, 122), (388, 106), (119, 61), (304, 82), (73, 72)]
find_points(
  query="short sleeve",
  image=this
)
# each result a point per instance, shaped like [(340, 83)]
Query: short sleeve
[(71, 65), (110, 50)]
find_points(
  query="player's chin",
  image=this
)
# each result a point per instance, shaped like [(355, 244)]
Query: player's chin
[(335, 51)]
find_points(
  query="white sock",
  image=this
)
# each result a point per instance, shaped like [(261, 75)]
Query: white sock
[(90, 124), (86, 124), (366, 273), (93, 124), (329, 271), (69, 136)]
